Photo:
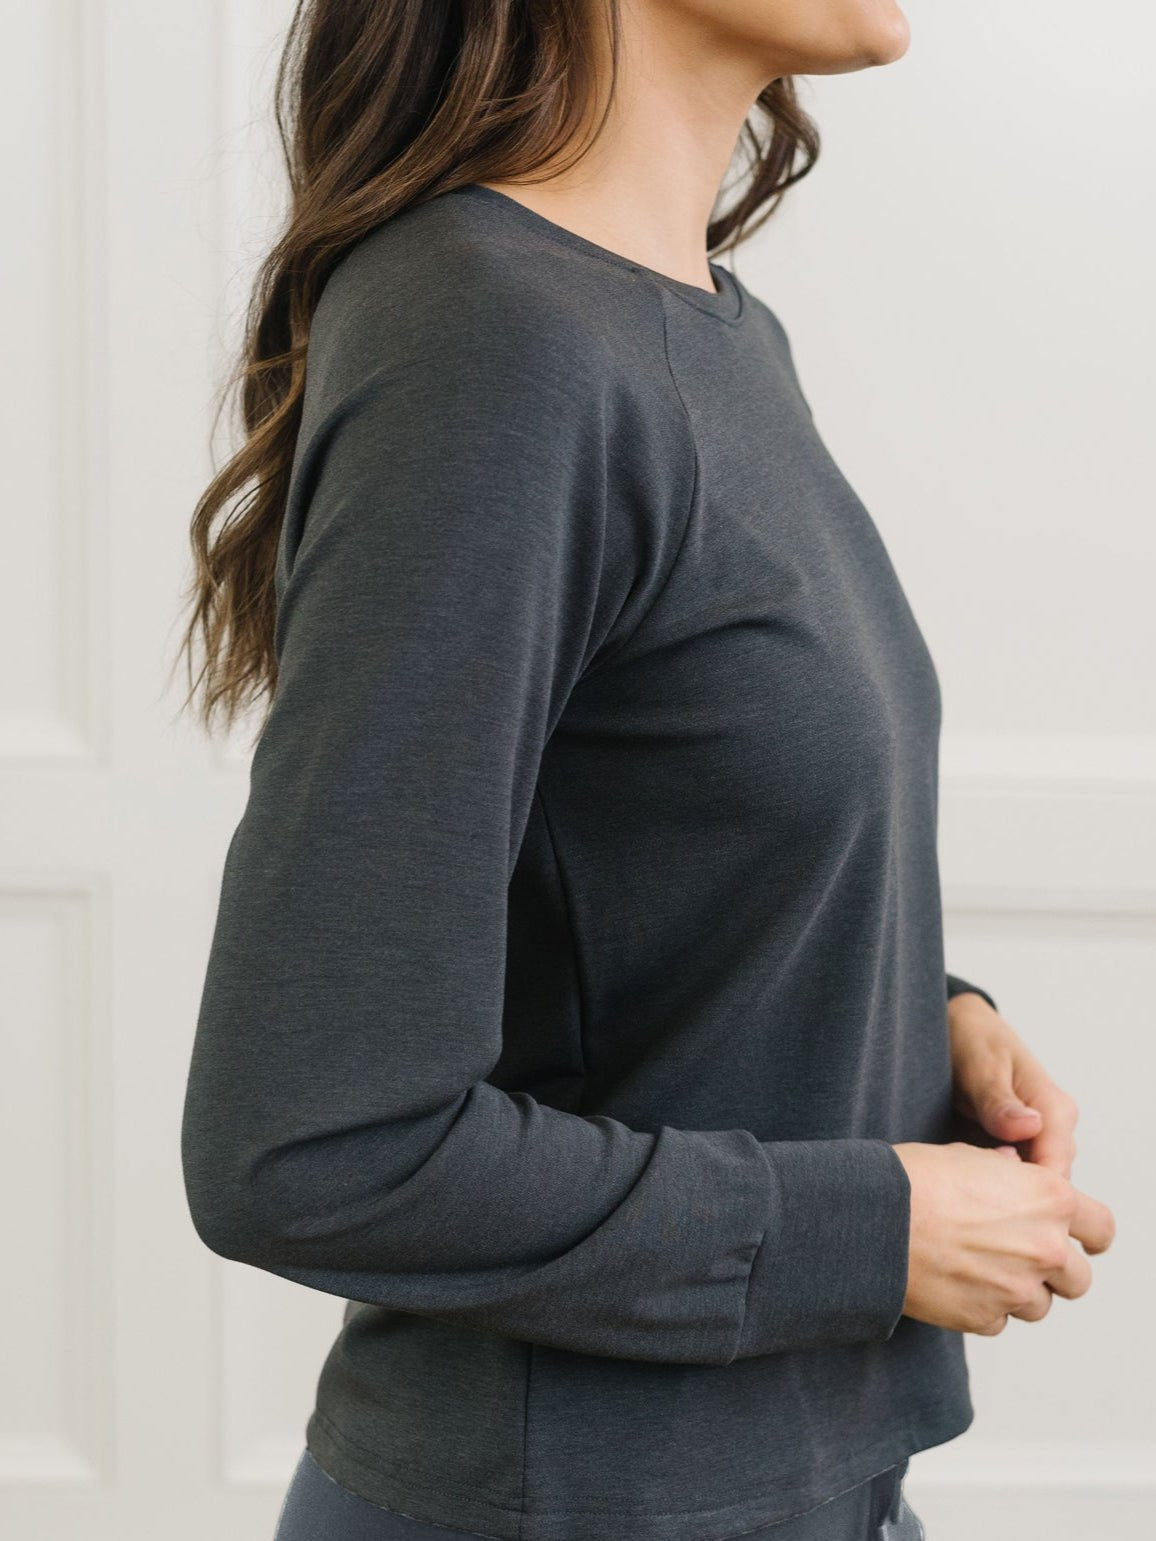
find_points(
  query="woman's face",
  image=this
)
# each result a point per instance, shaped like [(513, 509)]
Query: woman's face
[(807, 37)]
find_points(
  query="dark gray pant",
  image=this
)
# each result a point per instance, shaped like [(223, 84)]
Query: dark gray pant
[(316, 1508)]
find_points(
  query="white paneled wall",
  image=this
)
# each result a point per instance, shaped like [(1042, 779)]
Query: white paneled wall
[(966, 284)]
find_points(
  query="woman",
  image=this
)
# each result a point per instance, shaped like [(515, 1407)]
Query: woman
[(576, 1008)]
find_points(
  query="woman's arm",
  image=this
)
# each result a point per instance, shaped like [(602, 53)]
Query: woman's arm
[(441, 599), (957, 986)]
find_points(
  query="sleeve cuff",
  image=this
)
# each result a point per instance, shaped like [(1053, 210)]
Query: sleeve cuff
[(958, 986), (832, 1266)]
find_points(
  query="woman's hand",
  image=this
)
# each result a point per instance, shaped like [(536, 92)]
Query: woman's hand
[(1005, 1089), (992, 1231), (992, 1236)]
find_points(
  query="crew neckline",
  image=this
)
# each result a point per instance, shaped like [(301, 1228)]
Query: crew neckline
[(726, 303)]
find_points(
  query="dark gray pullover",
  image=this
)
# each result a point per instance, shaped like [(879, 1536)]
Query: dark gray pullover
[(579, 950)]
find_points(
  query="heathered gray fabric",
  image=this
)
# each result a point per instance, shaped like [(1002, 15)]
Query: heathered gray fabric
[(579, 952)]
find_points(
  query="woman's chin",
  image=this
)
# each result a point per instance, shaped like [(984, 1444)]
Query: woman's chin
[(893, 40), (883, 42), (883, 38)]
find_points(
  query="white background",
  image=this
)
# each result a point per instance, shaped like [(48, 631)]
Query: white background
[(966, 279)]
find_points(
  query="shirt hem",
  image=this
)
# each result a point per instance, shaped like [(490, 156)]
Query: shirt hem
[(429, 1497)]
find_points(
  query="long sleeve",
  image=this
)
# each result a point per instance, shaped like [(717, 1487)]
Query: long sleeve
[(958, 986), (440, 595)]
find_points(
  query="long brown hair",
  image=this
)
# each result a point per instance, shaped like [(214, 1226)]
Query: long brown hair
[(380, 104)]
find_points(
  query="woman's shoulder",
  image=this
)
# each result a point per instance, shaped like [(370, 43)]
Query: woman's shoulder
[(438, 280)]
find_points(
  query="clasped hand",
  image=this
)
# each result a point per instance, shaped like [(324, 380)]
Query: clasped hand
[(993, 1228)]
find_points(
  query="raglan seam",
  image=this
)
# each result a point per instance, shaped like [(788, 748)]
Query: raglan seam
[(696, 477)]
